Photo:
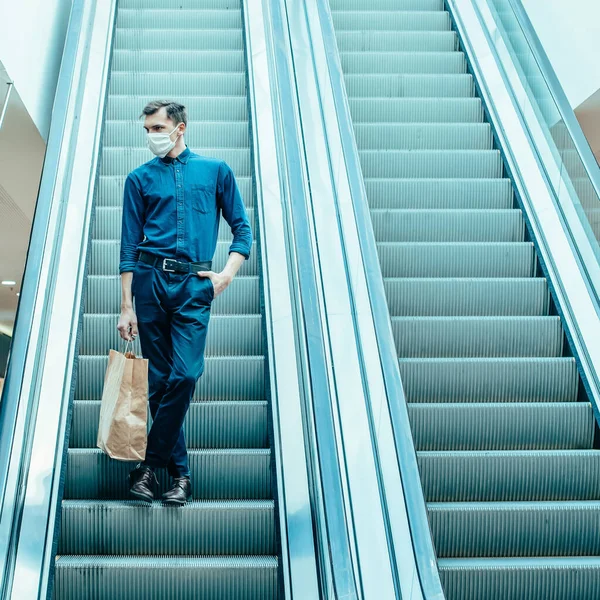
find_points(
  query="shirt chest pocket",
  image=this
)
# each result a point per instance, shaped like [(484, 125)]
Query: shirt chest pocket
[(203, 198)]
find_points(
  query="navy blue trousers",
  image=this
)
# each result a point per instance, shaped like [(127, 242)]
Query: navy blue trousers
[(173, 311)]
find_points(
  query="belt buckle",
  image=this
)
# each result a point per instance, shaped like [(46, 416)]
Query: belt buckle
[(164, 265)]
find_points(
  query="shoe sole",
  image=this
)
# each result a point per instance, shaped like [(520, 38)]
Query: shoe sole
[(172, 502), (140, 496)]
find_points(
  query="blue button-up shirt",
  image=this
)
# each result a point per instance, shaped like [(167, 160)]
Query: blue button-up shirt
[(172, 207)]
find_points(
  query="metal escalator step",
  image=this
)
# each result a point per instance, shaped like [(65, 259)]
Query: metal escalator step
[(116, 161), (502, 426), (396, 21), (438, 297), (379, 5), (131, 527), (108, 221), (242, 297), (515, 529), (179, 19), (391, 85), (422, 136), (177, 61), (498, 259), (104, 258), (391, 41), (510, 476), (153, 38), (472, 337), (403, 62), (216, 474), (238, 335), (186, 578), (202, 134), (517, 578), (216, 96), (181, 5), (110, 190), (210, 424), (438, 225), (224, 378), (489, 379), (383, 111), (439, 193), (477, 164)]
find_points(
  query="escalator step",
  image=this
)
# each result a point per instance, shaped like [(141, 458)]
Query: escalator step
[(517, 578), (510, 476), (439, 297), (239, 335), (110, 191), (439, 85), (478, 164), (181, 5), (242, 296), (174, 61), (423, 136), (105, 258), (526, 529), (109, 219), (472, 337), (210, 424), (116, 161), (502, 426), (182, 577), (415, 110), (453, 225), (396, 21), (489, 379), (402, 259), (380, 5), (153, 38), (203, 134), (216, 474), (214, 96), (202, 528), (390, 41), (401, 62), (224, 377), (208, 19)]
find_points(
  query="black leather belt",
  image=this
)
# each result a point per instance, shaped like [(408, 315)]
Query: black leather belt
[(170, 265)]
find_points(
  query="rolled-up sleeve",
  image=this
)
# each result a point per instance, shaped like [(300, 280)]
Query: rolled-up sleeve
[(234, 211), (132, 225)]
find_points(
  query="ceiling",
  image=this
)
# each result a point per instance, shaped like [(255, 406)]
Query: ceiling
[(21, 157)]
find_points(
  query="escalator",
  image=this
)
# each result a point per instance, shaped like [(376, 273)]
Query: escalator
[(222, 544), (502, 426)]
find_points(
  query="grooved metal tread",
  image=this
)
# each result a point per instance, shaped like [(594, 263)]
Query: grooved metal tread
[(505, 449)]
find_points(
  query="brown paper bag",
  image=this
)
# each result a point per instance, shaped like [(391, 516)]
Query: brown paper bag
[(122, 431)]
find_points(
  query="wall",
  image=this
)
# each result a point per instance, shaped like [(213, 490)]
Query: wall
[(570, 32), (31, 45)]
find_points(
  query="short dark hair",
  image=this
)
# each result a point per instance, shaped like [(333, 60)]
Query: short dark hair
[(175, 111)]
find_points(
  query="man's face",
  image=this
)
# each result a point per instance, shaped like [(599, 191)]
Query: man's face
[(160, 122)]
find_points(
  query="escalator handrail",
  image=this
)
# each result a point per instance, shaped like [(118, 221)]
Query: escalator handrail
[(558, 95), (414, 498), (13, 408)]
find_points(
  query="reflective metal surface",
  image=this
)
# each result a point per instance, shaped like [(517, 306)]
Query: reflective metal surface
[(9, 88), (298, 558), (20, 394), (570, 167), (410, 537), (554, 242)]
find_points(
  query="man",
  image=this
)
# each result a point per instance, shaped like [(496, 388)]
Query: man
[(171, 211)]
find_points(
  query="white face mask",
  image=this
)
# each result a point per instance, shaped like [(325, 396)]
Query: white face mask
[(161, 143)]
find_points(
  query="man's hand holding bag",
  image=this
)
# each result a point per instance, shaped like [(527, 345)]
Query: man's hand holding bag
[(122, 428)]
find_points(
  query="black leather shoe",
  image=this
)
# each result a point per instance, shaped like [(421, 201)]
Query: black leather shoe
[(180, 492), (142, 483)]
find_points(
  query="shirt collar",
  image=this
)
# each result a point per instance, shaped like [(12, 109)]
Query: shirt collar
[(183, 157)]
